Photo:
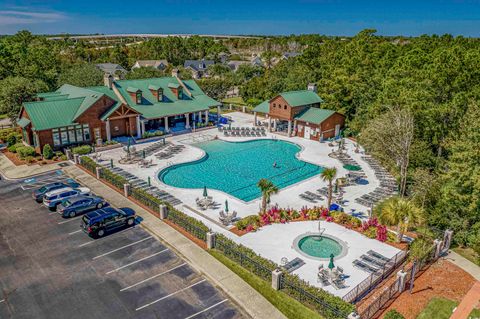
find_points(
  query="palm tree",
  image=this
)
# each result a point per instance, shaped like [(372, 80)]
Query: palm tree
[(267, 188), (399, 212), (328, 175)]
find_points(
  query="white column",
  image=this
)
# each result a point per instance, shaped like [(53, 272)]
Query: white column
[(289, 129), (269, 124), (107, 128), (166, 124), (254, 118), (206, 116), (295, 127), (200, 117), (219, 111), (274, 125), (139, 129), (143, 126), (187, 120)]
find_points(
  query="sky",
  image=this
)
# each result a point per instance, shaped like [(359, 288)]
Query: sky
[(268, 17)]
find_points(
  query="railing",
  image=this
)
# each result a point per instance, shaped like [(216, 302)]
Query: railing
[(182, 220), (378, 303), (367, 285)]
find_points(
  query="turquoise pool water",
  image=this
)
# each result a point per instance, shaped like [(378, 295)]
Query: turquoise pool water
[(319, 246), (236, 167)]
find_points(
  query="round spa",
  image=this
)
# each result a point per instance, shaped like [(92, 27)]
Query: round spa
[(319, 246)]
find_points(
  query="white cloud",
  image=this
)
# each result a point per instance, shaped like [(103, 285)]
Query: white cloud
[(26, 16)]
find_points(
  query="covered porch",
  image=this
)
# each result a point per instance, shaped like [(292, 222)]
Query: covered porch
[(122, 121), (176, 122), (276, 124)]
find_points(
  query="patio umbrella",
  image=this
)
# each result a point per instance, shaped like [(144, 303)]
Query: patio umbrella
[(331, 265), (226, 206), (205, 194)]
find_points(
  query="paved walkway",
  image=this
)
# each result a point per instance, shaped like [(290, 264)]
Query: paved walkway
[(464, 263), (243, 294), (12, 171), (470, 300)]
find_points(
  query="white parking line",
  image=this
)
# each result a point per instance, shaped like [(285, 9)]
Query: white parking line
[(69, 220), (53, 213), (120, 248), (206, 309), (137, 261), (153, 277), (172, 294), (100, 239), (74, 232)]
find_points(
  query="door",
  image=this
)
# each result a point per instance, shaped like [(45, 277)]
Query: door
[(337, 130), (307, 132)]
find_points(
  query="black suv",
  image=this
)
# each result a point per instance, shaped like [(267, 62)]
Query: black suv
[(101, 221)]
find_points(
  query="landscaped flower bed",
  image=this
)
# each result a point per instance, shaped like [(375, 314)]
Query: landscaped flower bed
[(275, 215)]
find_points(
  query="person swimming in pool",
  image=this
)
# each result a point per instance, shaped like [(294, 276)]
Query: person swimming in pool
[(274, 164)]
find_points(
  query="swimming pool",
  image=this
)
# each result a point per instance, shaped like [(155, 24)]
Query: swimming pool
[(236, 167)]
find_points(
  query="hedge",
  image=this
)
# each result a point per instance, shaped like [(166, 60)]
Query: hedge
[(82, 150), (88, 163), (25, 151)]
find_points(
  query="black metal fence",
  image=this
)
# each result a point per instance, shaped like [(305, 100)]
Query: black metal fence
[(367, 285), (152, 203), (186, 223), (379, 302)]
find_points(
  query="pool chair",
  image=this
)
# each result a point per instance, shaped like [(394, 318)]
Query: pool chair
[(365, 267), (263, 133), (243, 133), (378, 256), (322, 277), (373, 261), (225, 133)]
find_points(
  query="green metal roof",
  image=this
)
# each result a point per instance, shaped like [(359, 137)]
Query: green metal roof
[(263, 107), (303, 97), (174, 85), (51, 114), (153, 87), (23, 122), (314, 115), (170, 105), (110, 111), (132, 89), (89, 96)]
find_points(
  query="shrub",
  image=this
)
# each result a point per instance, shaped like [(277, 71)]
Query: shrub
[(24, 151), (13, 148), (47, 151), (29, 159), (5, 132), (393, 314), (248, 220), (63, 157), (152, 134), (58, 153), (12, 139), (82, 150), (112, 142)]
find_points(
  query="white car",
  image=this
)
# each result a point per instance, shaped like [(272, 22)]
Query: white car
[(53, 198)]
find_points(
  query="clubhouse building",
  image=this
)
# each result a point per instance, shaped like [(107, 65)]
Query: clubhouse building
[(298, 113), (73, 115)]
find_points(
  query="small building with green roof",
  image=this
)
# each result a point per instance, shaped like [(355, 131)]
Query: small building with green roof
[(73, 115), (298, 113)]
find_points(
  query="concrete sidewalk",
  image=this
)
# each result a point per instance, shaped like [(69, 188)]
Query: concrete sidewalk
[(468, 302), (243, 294), (12, 171), (464, 263)]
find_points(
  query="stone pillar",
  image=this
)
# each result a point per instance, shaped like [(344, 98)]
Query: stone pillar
[(98, 171), (206, 117), (210, 240), (274, 125), (166, 124), (295, 127), (243, 108), (76, 158), (143, 126), (68, 153), (230, 106), (107, 128), (187, 120), (402, 276), (254, 118), (269, 124), (289, 129), (447, 239), (126, 190), (438, 248), (276, 279), (139, 128), (200, 117), (162, 211)]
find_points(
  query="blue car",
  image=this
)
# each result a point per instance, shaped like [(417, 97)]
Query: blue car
[(53, 198), (97, 223), (81, 204), (39, 193)]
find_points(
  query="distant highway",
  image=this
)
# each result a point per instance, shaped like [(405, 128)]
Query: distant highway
[(149, 35)]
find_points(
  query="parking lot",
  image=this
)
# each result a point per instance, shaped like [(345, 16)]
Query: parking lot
[(49, 268)]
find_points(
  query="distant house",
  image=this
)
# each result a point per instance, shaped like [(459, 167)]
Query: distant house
[(256, 61), (198, 67), (234, 65), (113, 69), (288, 55), (74, 115), (157, 64), (298, 113)]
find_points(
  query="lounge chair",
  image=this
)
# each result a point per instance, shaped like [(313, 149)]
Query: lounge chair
[(373, 261), (378, 256), (363, 266)]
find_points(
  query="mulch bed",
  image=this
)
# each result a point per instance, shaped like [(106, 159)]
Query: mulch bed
[(441, 279), (17, 161)]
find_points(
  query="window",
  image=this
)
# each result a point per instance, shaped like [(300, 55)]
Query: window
[(285, 107), (97, 133), (274, 105), (78, 129), (139, 97), (71, 134), (86, 133), (64, 136), (160, 95), (180, 94), (56, 137), (35, 139)]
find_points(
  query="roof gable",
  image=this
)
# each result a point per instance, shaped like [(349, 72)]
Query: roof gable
[(51, 114), (314, 115), (303, 97)]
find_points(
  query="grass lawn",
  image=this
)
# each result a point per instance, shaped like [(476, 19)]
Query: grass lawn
[(3, 116), (287, 305), (440, 308), (234, 100), (468, 253)]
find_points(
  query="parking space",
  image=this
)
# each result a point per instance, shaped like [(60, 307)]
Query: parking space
[(49, 268)]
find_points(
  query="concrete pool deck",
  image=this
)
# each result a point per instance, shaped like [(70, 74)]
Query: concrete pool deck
[(275, 241)]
